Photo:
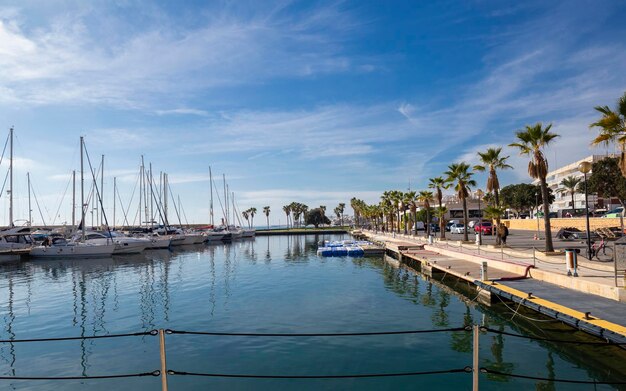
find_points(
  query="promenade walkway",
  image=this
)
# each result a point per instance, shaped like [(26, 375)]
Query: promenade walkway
[(593, 300)]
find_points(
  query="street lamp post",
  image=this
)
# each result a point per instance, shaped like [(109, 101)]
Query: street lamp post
[(537, 209), (480, 194), (585, 167)]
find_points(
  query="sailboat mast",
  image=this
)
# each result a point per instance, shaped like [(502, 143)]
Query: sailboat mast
[(82, 191), (141, 191), (11, 178), (151, 203), (211, 205), (165, 196), (73, 200), (114, 202), (30, 209), (102, 192), (225, 200)]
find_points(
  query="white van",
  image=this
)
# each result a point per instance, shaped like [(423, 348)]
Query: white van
[(419, 226)]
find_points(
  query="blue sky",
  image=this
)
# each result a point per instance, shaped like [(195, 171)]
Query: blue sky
[(314, 102)]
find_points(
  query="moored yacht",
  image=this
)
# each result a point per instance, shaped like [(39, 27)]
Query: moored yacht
[(123, 244), (16, 238), (61, 248)]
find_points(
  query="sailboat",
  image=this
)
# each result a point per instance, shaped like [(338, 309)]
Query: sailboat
[(62, 248)]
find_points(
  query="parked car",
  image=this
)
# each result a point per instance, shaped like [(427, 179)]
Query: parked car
[(450, 224), (485, 228), (617, 212), (457, 228)]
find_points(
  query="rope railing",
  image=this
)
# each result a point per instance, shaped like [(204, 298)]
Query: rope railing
[(215, 333), (491, 371), (126, 375), (164, 372), (607, 343), (151, 332), (466, 369)]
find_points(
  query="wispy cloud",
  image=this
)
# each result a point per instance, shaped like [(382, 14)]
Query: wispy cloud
[(64, 62)]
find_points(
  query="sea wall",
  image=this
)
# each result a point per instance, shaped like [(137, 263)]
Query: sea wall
[(577, 222)]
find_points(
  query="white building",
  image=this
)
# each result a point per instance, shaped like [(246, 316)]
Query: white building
[(563, 199)]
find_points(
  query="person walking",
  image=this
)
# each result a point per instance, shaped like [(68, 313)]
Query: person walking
[(503, 232)]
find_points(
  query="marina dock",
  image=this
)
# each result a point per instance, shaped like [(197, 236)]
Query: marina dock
[(590, 303)]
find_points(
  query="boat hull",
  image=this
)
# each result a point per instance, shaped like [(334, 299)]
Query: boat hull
[(73, 251)]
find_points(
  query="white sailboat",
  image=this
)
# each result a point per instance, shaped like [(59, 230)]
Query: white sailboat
[(61, 248)]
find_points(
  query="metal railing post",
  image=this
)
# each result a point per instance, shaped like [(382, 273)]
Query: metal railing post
[(615, 263), (534, 259), (475, 361), (163, 362)]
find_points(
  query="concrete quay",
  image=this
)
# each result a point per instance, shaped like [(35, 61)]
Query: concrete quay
[(590, 302)]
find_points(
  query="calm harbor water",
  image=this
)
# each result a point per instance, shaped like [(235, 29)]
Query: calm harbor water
[(271, 284)]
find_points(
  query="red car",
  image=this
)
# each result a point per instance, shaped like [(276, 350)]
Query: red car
[(485, 228)]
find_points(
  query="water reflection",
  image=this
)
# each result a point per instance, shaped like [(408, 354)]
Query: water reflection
[(223, 285)]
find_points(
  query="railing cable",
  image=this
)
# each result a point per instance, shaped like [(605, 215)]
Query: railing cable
[(487, 370), (151, 332), (550, 339), (168, 331), (365, 375), (142, 374)]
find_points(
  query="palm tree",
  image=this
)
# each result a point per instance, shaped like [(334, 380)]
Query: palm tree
[(440, 212), (341, 208), (323, 209), (439, 184), (287, 210), (459, 173), (425, 197), (266, 212), (492, 161), (531, 140), (387, 204), (612, 126), (246, 216), (252, 212), (570, 185), (410, 199), (396, 199)]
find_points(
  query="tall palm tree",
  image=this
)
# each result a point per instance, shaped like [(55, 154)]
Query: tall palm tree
[(266, 212), (459, 173), (531, 141), (410, 198), (570, 185), (425, 197), (612, 126), (287, 210), (341, 208), (387, 204), (398, 203), (492, 161), (252, 213), (440, 212), (246, 216), (439, 184)]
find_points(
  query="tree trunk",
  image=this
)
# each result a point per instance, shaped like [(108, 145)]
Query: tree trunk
[(546, 214), (573, 208), (465, 237), (427, 222), (442, 227)]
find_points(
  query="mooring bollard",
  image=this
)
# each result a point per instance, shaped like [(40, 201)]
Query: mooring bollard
[(483, 272)]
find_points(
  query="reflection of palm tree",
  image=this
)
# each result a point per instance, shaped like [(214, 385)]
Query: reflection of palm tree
[(440, 317), (548, 385), (498, 363), (462, 340), (427, 299)]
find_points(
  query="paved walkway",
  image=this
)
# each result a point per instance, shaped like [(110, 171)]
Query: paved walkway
[(519, 251)]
